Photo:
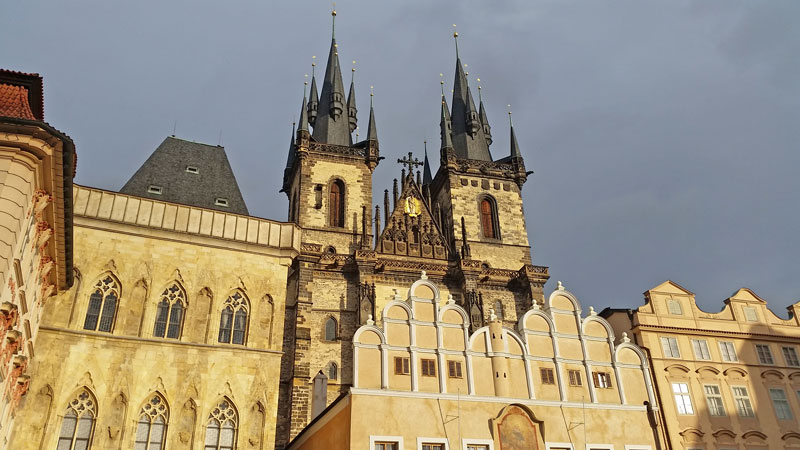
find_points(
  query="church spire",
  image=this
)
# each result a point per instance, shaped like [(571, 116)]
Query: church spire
[(332, 124), (303, 115), (313, 101), (427, 177), (515, 153), (469, 141), (444, 126), (351, 101), (487, 130), (372, 131), (289, 161)]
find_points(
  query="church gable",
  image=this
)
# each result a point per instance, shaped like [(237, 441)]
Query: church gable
[(410, 229)]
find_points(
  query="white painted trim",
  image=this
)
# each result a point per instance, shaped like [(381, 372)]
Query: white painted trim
[(549, 445), (599, 447), (638, 447), (398, 439), (427, 440), (487, 442)]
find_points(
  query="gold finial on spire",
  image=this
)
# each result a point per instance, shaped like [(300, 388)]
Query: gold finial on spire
[(510, 123), (353, 72), (305, 85), (371, 95), (480, 99), (441, 82), (333, 15), (313, 65), (465, 71), (455, 36)]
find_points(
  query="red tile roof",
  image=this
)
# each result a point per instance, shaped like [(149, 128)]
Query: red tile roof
[(14, 102)]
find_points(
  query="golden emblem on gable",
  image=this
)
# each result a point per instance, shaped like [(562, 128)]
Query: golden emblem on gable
[(412, 207)]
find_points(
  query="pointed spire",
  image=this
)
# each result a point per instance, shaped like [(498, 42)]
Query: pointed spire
[(487, 130), (469, 141), (313, 101), (372, 131), (515, 153), (444, 126), (427, 177), (351, 101), (303, 117), (290, 159), (332, 124)]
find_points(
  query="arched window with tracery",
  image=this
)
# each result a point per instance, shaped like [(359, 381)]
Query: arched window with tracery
[(77, 428), (330, 329), (489, 225), (151, 430), (221, 428), (102, 305), (233, 320), (332, 371), (170, 312), (336, 204)]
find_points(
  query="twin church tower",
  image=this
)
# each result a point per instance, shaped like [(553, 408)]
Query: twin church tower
[(463, 226)]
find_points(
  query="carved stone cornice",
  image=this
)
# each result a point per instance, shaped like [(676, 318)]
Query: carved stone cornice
[(383, 264), (506, 168)]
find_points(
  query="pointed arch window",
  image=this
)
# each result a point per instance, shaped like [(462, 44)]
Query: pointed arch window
[(77, 428), (498, 309), (233, 320), (336, 204), (332, 371), (102, 305), (151, 430), (170, 312), (221, 428), (330, 329), (489, 224)]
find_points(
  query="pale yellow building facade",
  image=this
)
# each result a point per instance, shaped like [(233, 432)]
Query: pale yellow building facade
[(559, 379), (726, 380)]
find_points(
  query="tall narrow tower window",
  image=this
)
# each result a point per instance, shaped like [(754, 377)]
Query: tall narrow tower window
[(102, 305), (489, 224), (336, 204)]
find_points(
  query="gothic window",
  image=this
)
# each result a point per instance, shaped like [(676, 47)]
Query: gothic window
[(336, 204), (332, 371), (498, 310), (233, 320), (151, 430), (169, 315), (102, 305), (330, 329), (221, 428), (489, 224), (78, 425)]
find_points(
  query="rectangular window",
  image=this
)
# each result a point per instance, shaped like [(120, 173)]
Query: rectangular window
[(714, 400), (602, 380), (742, 399), (790, 355), (575, 378), (674, 307), (700, 347), (670, 347), (454, 369), (192, 169), (682, 398), (386, 446), (428, 367), (727, 351), (153, 189), (764, 354), (401, 365), (547, 376), (750, 314), (221, 201), (477, 447), (782, 409), (432, 446)]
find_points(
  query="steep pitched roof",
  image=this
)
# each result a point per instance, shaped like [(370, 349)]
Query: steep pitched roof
[(167, 169), (469, 142), (332, 125)]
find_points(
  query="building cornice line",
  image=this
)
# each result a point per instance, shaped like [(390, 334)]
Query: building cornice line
[(711, 332)]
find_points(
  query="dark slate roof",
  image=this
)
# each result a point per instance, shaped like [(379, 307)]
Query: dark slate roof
[(166, 168), (465, 144)]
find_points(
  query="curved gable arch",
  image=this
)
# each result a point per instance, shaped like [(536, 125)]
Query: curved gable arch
[(772, 374), (735, 371), (425, 282), (633, 348), (677, 369), (576, 305), (513, 334), (369, 328), (601, 321), (795, 376), (400, 304), (692, 434), (456, 308), (754, 434), (536, 312), (708, 371), (481, 333)]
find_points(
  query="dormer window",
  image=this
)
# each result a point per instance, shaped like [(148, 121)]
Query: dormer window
[(154, 189), (192, 169), (221, 201)]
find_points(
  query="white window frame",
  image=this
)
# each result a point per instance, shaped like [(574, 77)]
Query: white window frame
[(702, 346), (155, 189), (730, 351), (374, 439), (638, 447), (221, 201), (784, 399), (599, 446), (487, 442), (717, 395), (193, 169), (684, 396), (668, 341), (793, 352), (769, 353), (746, 396), (432, 440)]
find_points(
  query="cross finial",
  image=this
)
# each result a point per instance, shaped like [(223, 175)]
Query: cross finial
[(411, 162)]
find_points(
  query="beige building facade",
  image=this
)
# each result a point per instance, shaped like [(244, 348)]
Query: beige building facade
[(726, 380), (558, 379)]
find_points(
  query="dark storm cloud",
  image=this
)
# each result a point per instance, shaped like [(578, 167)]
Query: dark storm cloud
[(663, 135)]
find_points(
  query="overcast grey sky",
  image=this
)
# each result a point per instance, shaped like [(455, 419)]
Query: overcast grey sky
[(663, 135)]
